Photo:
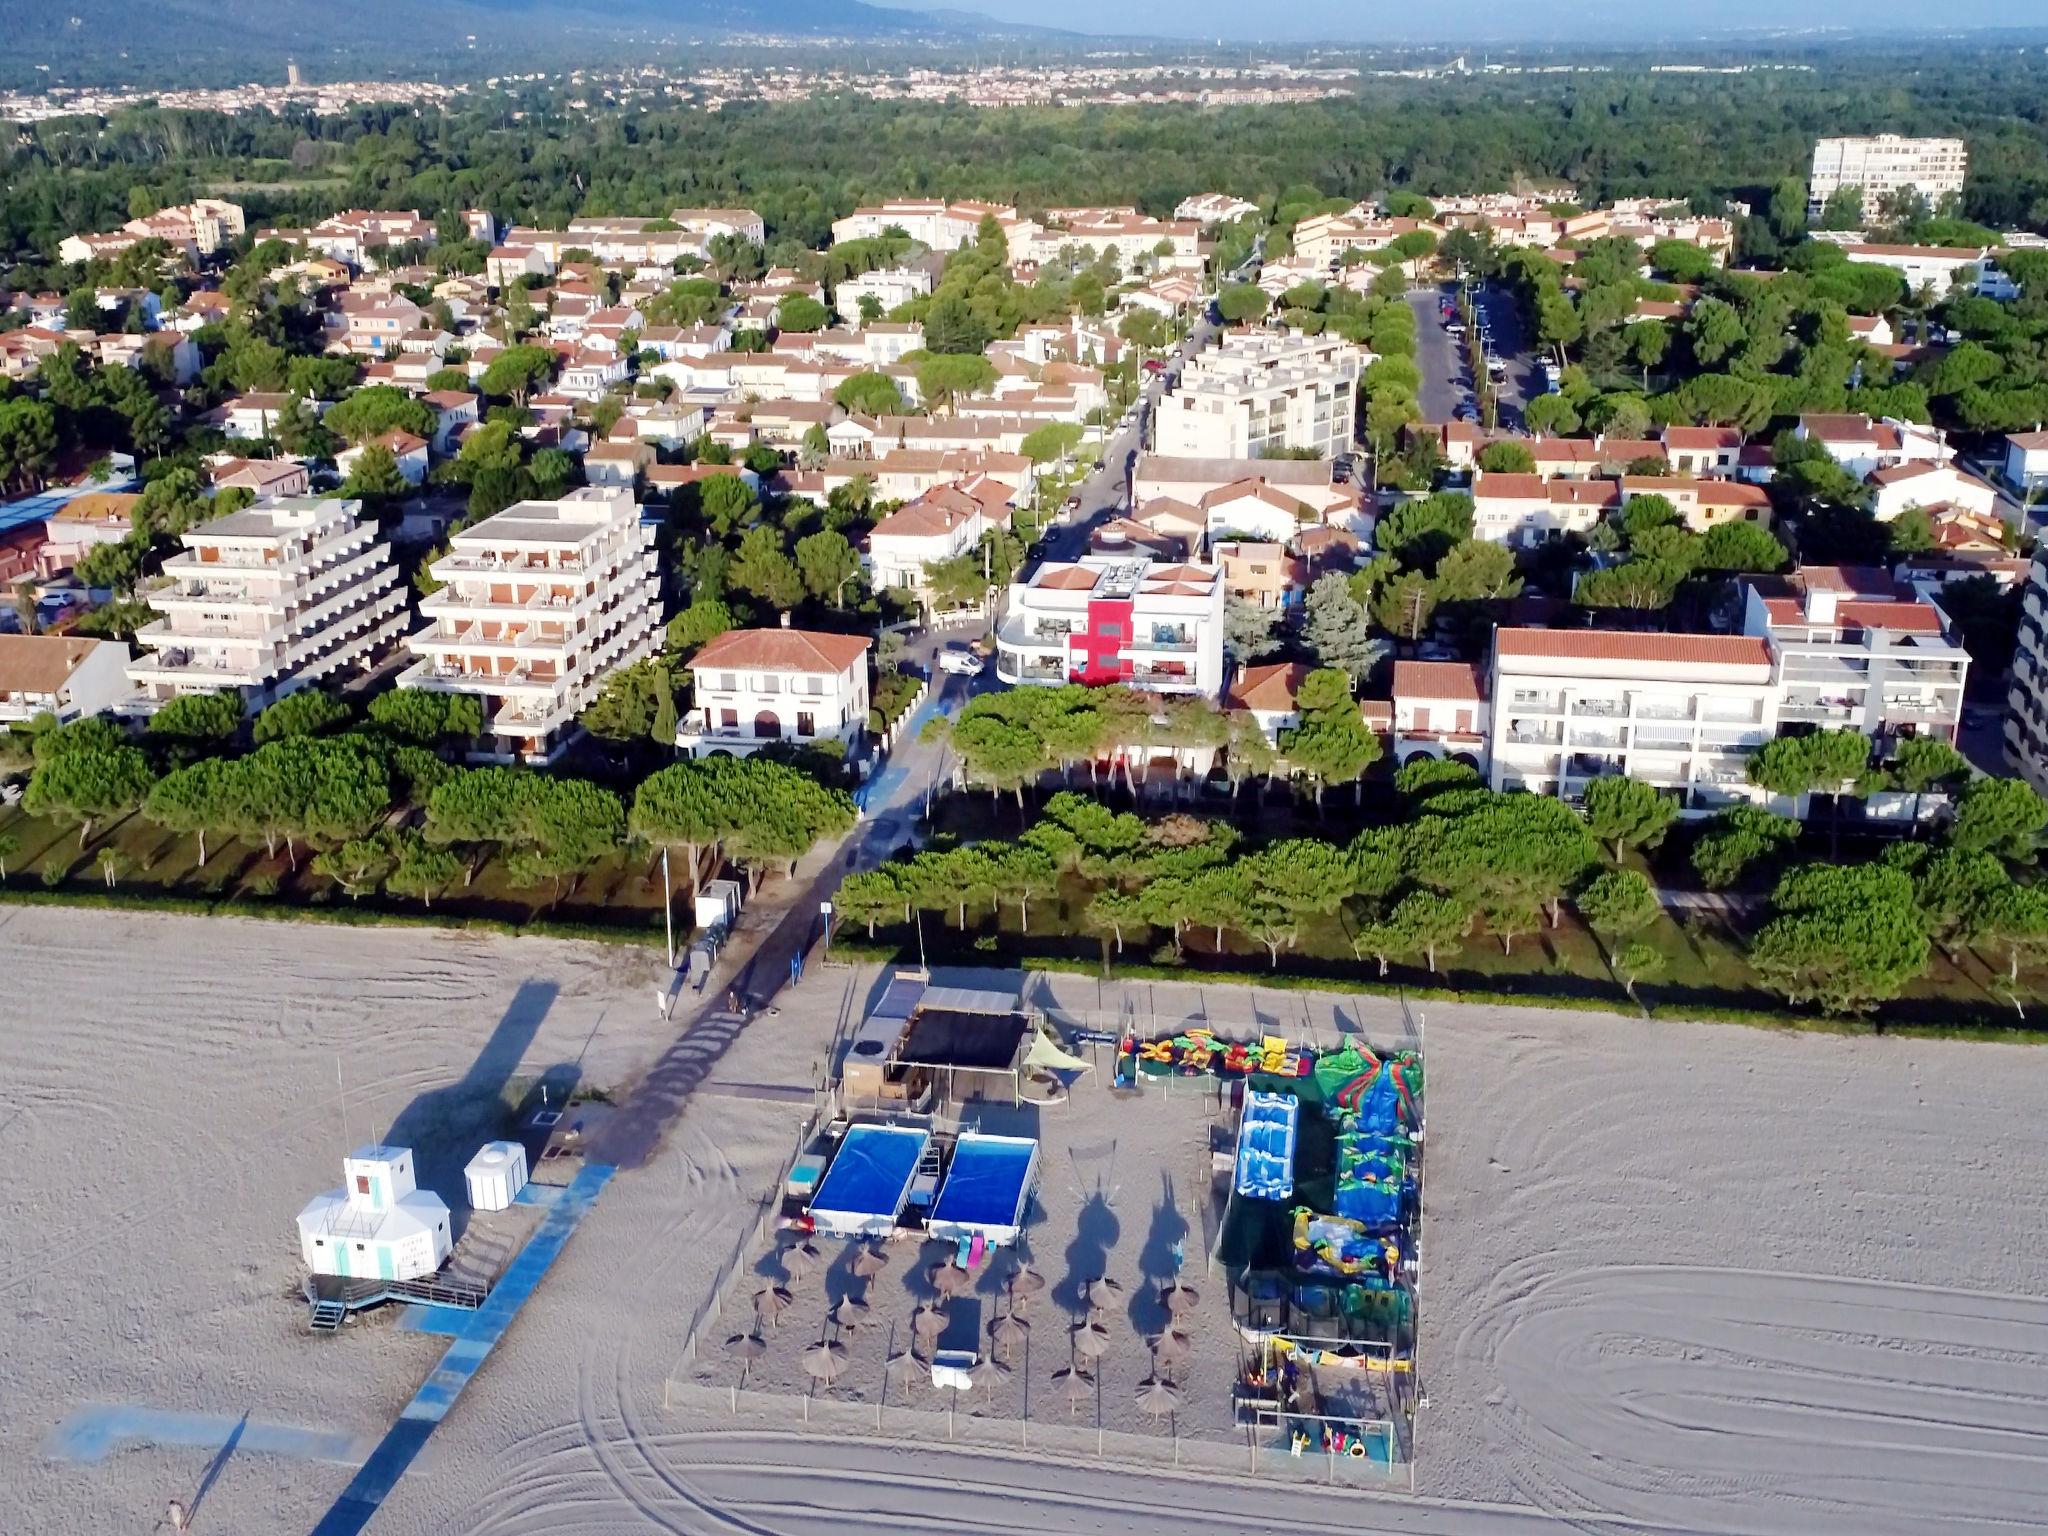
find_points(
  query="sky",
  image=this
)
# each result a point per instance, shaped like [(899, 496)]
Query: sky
[(1574, 21)]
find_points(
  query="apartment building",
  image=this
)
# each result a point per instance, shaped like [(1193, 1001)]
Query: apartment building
[(536, 605), (2026, 713), (709, 223), (268, 600), (890, 287), (1115, 620), (1209, 209), (942, 524), (938, 225), (753, 686), (63, 676), (1681, 712), (1259, 392), (1858, 651), (1885, 163)]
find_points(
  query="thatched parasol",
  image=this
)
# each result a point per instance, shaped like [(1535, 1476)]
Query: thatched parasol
[(989, 1374), (1009, 1332), (1026, 1281), (927, 1323), (799, 1260), (748, 1346), (771, 1301), (948, 1279), (905, 1370), (1102, 1292), (1179, 1299), (825, 1360), (869, 1262), (851, 1312), (1157, 1397), (1076, 1386), (1091, 1340), (1172, 1345)]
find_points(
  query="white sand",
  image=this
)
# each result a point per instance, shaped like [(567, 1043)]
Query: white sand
[(1694, 1279)]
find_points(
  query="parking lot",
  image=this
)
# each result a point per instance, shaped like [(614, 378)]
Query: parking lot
[(1441, 357)]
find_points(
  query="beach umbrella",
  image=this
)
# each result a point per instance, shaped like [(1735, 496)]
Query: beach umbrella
[(1091, 1340), (1157, 1397), (800, 1259), (749, 1347), (825, 1360), (1102, 1292), (1009, 1332), (1172, 1345), (1076, 1386), (770, 1302), (989, 1374), (1179, 1299), (869, 1262), (851, 1312), (1026, 1281), (905, 1370), (948, 1279), (927, 1323)]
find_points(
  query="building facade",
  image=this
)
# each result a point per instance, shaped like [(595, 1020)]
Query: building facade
[(1885, 163), (754, 686), (268, 600), (1115, 620), (1260, 392), (2026, 712), (63, 676), (536, 605)]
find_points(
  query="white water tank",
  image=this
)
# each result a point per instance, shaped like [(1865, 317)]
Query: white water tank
[(495, 1175)]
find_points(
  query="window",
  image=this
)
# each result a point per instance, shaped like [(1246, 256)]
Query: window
[(814, 686), (1109, 631), (362, 1183), (726, 682)]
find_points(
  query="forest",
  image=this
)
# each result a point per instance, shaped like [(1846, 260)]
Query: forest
[(530, 155)]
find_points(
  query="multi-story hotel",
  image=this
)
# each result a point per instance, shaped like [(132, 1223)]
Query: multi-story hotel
[(268, 600), (2026, 716), (1682, 712), (1857, 651), (1932, 167), (536, 605), (1114, 619), (1258, 392)]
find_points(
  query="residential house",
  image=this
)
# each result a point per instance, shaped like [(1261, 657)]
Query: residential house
[(1922, 484), (1262, 575), (750, 687), (1861, 445), (407, 451), (1702, 504), (1209, 209), (942, 524), (1440, 710), (1251, 509), (455, 412), (617, 463), (1702, 450), (64, 676), (2026, 462), (1268, 692), (890, 287), (1522, 511), (94, 518)]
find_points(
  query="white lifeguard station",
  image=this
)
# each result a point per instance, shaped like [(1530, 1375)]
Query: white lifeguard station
[(379, 1225)]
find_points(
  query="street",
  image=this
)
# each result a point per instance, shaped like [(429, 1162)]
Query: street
[(1441, 357)]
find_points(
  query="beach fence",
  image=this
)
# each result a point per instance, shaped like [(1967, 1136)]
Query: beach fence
[(1049, 1432)]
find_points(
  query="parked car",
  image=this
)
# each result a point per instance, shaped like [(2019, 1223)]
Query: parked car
[(1454, 328), (962, 663), (1154, 365), (1466, 411)]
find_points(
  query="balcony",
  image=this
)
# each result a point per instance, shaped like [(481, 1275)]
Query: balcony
[(1663, 711), (1534, 735), (1582, 737), (1603, 709), (1169, 640)]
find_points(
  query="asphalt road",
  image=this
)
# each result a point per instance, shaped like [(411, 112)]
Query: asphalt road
[(1446, 377)]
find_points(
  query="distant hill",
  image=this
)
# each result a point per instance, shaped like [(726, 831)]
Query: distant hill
[(220, 41)]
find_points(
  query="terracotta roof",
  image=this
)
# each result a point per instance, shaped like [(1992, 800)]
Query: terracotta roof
[(782, 650), (41, 663), (1438, 680), (1509, 487), (1270, 688), (1610, 645), (2028, 441), (1702, 437), (1075, 578), (1916, 617)]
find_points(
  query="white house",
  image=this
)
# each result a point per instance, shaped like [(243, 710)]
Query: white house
[(1267, 693), (1212, 208), (65, 676), (1250, 509), (2026, 460), (1861, 445), (945, 522), (890, 287), (407, 451), (379, 1225), (1440, 709), (1922, 484), (754, 686)]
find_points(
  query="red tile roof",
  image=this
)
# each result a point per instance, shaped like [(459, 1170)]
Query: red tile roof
[(782, 650), (1438, 680), (1610, 645)]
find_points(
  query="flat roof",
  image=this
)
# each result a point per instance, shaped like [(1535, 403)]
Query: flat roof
[(975, 1041)]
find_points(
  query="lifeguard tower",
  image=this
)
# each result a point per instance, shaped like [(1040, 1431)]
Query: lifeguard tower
[(379, 1225)]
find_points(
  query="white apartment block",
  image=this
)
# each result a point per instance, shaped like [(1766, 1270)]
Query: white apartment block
[(1258, 392), (266, 601), (890, 287), (942, 524), (937, 225), (1932, 167), (1681, 712), (754, 686), (1857, 651), (2026, 716), (536, 605), (1115, 619), (1209, 209)]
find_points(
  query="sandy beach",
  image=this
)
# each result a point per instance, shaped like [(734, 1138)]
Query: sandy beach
[(1683, 1278)]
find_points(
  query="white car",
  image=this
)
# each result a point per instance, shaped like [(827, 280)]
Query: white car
[(962, 663)]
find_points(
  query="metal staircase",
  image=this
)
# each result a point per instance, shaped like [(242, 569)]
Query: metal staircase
[(331, 1297)]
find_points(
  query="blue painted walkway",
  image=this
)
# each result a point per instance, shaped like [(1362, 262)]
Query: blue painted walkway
[(881, 789), (403, 1442), (97, 1430)]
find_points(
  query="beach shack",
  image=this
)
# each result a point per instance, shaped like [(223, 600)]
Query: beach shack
[(987, 1189), (923, 1045), (868, 1181), (379, 1224)]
